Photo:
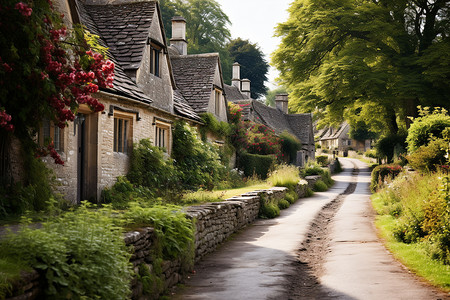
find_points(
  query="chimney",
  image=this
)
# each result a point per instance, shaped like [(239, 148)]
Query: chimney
[(236, 79), (281, 101), (179, 34), (246, 87)]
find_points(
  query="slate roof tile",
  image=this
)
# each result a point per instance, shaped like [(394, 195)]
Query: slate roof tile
[(183, 108), (194, 76), (233, 94)]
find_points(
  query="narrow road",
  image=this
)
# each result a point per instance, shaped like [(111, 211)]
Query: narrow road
[(262, 261)]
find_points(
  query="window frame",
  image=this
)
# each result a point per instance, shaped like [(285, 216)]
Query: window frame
[(49, 131), (162, 134), (123, 132), (155, 58), (217, 101)]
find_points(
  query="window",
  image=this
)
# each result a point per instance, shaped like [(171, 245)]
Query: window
[(122, 134), (155, 58), (162, 137), (50, 132), (349, 142), (217, 98)]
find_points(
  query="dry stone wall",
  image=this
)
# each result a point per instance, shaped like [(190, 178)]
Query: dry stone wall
[(214, 222)]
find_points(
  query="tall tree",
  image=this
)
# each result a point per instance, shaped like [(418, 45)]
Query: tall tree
[(270, 96), (253, 64), (385, 56)]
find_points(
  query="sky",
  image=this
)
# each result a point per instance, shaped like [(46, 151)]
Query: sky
[(255, 20)]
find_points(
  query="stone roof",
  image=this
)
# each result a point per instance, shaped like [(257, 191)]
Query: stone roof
[(183, 108), (122, 84), (331, 133), (125, 29), (194, 77), (233, 94), (299, 125)]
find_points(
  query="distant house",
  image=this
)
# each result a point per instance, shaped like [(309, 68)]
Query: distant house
[(338, 139), (143, 103), (278, 119), (198, 77)]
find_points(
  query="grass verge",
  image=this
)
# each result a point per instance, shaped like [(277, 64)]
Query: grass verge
[(413, 256)]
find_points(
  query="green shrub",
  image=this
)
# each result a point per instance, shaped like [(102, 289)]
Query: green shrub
[(320, 186), (382, 173), (309, 192), (427, 157), (198, 163), (123, 192), (289, 146), (78, 252), (211, 124), (372, 153), (291, 197), (149, 167), (268, 209), (428, 126), (256, 164), (391, 146), (322, 160), (283, 204), (285, 176)]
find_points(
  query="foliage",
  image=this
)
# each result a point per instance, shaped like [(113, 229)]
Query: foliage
[(372, 153), (283, 204), (428, 157), (291, 197), (201, 196), (270, 96), (320, 186), (420, 204), (383, 173), (360, 131), (380, 57), (426, 127), (311, 168), (220, 128), (285, 175), (150, 168), (256, 164), (322, 160), (78, 252), (262, 140), (197, 162), (123, 192), (268, 208), (253, 64), (289, 146), (390, 146), (174, 231), (45, 72)]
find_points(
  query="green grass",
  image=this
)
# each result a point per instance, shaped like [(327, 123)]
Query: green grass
[(220, 195), (285, 175), (9, 272), (413, 256)]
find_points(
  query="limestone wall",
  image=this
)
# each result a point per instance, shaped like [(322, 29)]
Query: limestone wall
[(214, 222)]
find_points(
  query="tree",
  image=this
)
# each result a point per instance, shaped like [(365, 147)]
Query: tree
[(253, 64), (270, 96), (390, 55)]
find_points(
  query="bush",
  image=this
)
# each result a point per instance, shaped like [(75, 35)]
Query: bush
[(283, 204), (391, 146), (428, 126), (268, 209), (211, 124), (197, 162), (256, 164), (427, 157), (149, 167), (78, 252), (382, 173), (123, 192), (285, 175), (289, 146), (372, 153), (311, 168), (322, 160), (320, 186), (291, 197), (309, 192)]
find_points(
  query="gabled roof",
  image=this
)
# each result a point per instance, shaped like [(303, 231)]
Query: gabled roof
[(183, 108), (194, 77), (332, 133), (125, 29), (123, 84), (299, 125), (233, 94)]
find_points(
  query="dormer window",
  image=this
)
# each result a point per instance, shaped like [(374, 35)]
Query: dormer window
[(155, 59)]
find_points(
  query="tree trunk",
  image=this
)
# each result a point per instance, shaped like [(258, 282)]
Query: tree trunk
[(5, 159), (392, 122), (411, 110)]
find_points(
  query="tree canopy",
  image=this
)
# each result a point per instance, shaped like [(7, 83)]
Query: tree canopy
[(270, 96), (253, 64), (378, 59)]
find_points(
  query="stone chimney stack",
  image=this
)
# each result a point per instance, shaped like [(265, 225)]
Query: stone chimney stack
[(236, 79), (179, 34), (246, 87), (281, 101)]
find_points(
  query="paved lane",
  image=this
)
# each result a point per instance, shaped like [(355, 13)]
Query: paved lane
[(253, 264)]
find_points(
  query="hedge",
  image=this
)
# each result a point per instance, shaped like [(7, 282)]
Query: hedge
[(256, 164)]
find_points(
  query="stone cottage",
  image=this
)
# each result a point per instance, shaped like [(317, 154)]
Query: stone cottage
[(338, 139), (143, 103)]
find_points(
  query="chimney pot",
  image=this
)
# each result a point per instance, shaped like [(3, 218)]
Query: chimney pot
[(246, 87), (178, 39), (236, 79), (281, 101)]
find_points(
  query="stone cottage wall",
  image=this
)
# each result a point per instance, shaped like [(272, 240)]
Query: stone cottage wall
[(215, 222)]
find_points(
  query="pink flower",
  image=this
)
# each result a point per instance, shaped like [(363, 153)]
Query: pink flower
[(23, 9)]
